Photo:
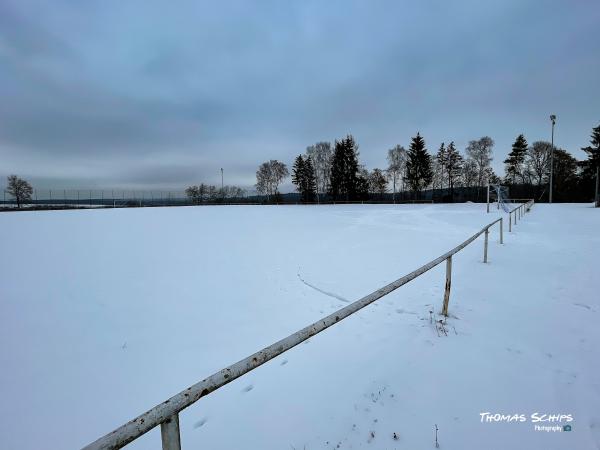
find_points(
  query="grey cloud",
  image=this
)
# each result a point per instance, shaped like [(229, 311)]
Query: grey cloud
[(147, 93)]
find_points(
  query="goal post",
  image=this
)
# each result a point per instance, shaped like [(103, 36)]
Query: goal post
[(498, 193)]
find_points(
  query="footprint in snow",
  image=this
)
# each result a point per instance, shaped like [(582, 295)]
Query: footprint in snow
[(404, 311), (200, 422), (284, 362), (248, 388), (582, 305)]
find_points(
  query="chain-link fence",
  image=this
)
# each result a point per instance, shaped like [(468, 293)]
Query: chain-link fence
[(92, 198)]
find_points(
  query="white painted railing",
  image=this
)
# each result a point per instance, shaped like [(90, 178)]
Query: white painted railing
[(518, 212), (166, 414)]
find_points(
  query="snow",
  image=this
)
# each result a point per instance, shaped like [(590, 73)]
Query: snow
[(106, 313)]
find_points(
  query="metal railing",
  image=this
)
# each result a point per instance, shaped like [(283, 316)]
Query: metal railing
[(518, 212), (166, 414)]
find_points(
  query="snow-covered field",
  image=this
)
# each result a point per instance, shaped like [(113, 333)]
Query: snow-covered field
[(104, 314)]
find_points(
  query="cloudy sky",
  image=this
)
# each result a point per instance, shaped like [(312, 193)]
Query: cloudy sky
[(156, 94)]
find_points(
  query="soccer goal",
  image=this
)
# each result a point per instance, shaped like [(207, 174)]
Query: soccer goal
[(499, 194)]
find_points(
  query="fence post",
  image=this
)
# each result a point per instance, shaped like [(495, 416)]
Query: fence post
[(169, 433), (485, 245), (501, 233), (515, 217), (509, 222), (448, 284)]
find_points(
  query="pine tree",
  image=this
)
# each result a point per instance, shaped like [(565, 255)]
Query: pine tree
[(344, 181), (310, 184), (418, 166), (591, 166), (441, 156), (454, 162), (515, 160), (298, 173), (303, 177)]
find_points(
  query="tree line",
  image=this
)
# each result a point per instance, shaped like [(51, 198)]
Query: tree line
[(334, 172), (207, 193)]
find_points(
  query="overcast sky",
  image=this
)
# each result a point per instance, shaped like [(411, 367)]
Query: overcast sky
[(150, 94)]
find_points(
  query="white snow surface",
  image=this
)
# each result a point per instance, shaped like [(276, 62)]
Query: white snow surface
[(106, 313)]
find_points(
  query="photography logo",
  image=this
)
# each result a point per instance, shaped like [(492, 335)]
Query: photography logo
[(541, 422)]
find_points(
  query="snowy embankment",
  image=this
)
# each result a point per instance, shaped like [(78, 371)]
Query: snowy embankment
[(104, 314)]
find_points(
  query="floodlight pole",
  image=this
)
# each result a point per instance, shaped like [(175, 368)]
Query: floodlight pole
[(553, 119)]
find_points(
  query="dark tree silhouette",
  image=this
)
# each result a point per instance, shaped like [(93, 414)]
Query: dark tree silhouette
[(20, 189), (344, 182), (418, 165)]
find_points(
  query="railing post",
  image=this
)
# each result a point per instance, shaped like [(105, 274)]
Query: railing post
[(448, 284), (501, 233), (485, 245), (515, 217), (169, 433), (510, 222)]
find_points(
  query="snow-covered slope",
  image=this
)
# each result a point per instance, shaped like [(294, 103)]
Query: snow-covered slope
[(104, 314)]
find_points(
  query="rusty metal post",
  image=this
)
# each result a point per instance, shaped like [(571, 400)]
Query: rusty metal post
[(485, 245), (169, 433), (501, 233), (448, 284)]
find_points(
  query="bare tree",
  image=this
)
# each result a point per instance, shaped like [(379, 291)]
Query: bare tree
[(268, 177), (396, 165), (377, 182), (20, 189), (480, 151), (537, 162), (193, 194), (437, 180), (469, 173), (320, 155)]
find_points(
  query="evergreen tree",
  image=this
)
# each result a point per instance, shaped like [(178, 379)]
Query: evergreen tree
[(454, 162), (298, 173), (362, 184), (441, 156), (303, 177), (344, 181), (516, 158), (418, 166), (591, 166), (310, 183)]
